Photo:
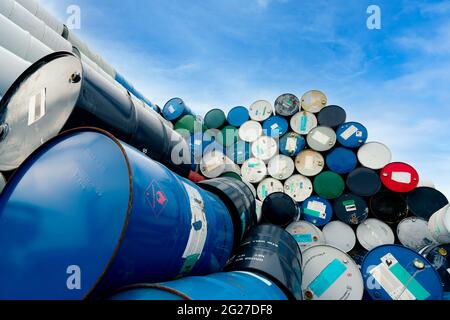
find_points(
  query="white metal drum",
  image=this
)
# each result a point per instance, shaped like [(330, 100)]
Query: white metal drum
[(306, 234), (373, 233), (439, 225), (11, 67), (322, 139), (267, 187), (374, 155), (330, 274), (303, 122), (314, 101), (40, 12), (298, 187), (265, 148), (260, 110), (254, 170), (340, 235), (281, 167), (250, 131), (413, 233), (213, 164), (309, 163)]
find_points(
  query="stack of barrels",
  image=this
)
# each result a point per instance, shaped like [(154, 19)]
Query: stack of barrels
[(353, 211)]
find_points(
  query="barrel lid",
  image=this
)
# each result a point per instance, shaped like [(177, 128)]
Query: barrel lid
[(76, 166), (271, 251), (340, 235), (393, 272), (265, 148), (364, 182), (229, 136), (389, 206), (287, 105), (291, 144), (439, 256), (317, 211), (329, 185), (239, 152), (303, 122), (260, 110), (174, 109), (309, 163), (374, 155), (254, 170), (275, 126), (413, 233), (351, 209), (424, 202), (341, 160), (306, 234), (37, 106), (215, 119), (279, 209), (314, 101), (332, 116), (298, 187), (238, 116), (399, 177), (250, 131), (372, 233), (190, 124), (267, 187), (281, 167), (239, 200), (330, 274), (321, 138), (213, 164), (352, 135)]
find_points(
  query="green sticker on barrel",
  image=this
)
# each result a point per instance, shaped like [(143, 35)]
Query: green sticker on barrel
[(409, 282), (303, 238), (188, 264), (253, 164), (327, 277), (264, 191), (312, 213), (350, 205)]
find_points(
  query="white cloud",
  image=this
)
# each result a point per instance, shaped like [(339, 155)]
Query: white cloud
[(436, 43)]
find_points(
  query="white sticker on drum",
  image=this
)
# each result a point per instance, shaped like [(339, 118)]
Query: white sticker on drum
[(309, 162), (291, 144), (199, 230), (171, 109), (274, 126), (320, 137), (36, 107), (448, 270), (401, 177), (319, 208), (349, 132)]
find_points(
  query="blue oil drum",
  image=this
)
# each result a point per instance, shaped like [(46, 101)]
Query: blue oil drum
[(352, 135), (238, 116), (240, 152), (317, 211), (87, 214), (439, 257), (351, 209), (291, 144), (341, 160), (393, 272), (175, 108), (238, 285), (128, 86), (275, 127)]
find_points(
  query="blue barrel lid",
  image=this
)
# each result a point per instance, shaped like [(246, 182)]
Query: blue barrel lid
[(317, 211), (174, 109), (291, 144), (352, 134), (341, 160), (393, 272), (351, 209), (275, 126), (238, 116)]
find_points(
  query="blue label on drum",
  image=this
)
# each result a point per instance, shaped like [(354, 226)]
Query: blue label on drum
[(303, 238), (327, 277)]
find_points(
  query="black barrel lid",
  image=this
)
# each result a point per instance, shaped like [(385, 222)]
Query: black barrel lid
[(332, 116), (439, 257), (272, 252), (239, 200), (351, 209), (364, 182), (389, 206), (34, 109), (423, 202), (279, 209)]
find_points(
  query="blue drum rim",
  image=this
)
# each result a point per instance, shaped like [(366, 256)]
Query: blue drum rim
[(152, 286), (117, 142)]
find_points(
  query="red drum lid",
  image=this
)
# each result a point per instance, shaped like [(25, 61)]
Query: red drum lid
[(399, 177)]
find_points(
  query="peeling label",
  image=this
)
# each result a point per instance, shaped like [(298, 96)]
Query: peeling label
[(349, 132), (36, 107)]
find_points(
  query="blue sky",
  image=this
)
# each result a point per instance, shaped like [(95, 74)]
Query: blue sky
[(226, 53)]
